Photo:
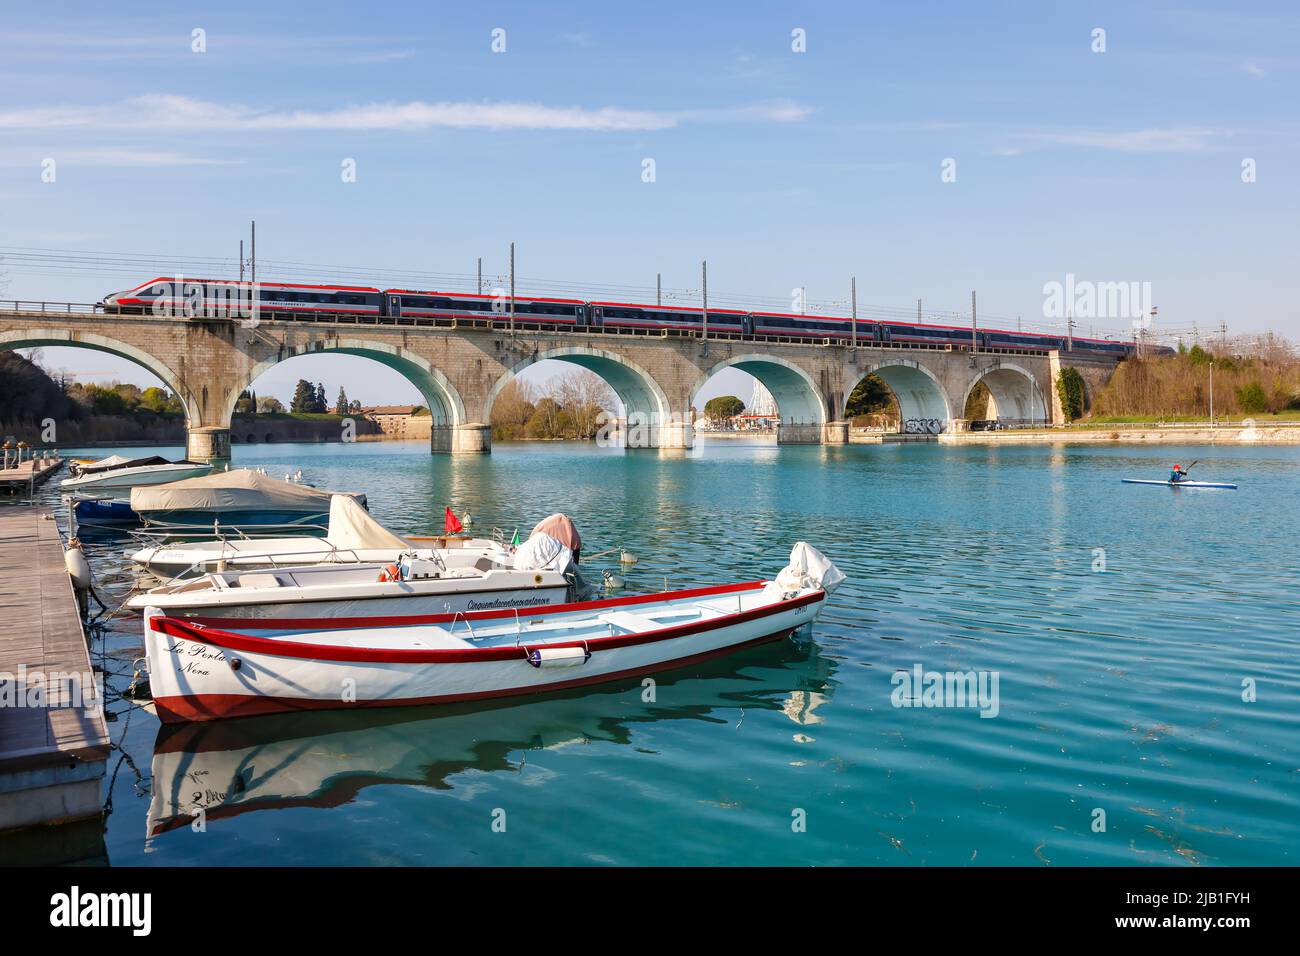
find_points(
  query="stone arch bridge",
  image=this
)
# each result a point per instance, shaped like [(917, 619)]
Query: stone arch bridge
[(461, 370)]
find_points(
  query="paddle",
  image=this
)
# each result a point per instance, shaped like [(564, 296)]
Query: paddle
[(1187, 469)]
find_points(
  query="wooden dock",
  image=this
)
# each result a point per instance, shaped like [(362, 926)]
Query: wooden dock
[(27, 475), (53, 751)]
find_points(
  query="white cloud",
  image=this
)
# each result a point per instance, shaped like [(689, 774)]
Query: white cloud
[(1170, 140), (383, 56), (164, 112), (578, 38), (108, 156)]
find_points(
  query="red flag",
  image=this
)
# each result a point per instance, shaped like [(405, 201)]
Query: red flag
[(451, 523)]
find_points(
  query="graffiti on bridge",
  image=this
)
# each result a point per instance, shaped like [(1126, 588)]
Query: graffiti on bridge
[(923, 426)]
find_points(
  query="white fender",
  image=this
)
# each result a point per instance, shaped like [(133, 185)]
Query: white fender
[(74, 559)]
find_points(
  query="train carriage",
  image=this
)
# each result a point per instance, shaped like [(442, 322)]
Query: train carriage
[(811, 327), (672, 318), (408, 303)]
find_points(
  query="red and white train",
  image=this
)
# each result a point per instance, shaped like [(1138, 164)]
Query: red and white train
[(202, 298)]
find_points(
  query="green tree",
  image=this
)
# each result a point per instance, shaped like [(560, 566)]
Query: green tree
[(341, 406), (304, 397), (723, 407), (246, 404), (871, 395), (270, 405), (104, 401), (28, 394), (319, 405), (1071, 390), (160, 401), (1252, 399), (545, 422)]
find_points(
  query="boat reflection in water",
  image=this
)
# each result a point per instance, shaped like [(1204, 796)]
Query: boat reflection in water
[(325, 759)]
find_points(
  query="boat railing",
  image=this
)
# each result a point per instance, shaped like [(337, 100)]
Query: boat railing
[(295, 558), (277, 560), (156, 534)]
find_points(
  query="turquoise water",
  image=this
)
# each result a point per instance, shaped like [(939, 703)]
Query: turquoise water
[(1119, 690)]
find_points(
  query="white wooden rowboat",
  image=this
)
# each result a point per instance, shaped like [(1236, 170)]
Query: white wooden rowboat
[(205, 669)]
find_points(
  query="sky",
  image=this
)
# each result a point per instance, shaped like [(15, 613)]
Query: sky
[(927, 149)]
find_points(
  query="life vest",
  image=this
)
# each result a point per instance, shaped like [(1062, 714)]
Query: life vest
[(390, 573)]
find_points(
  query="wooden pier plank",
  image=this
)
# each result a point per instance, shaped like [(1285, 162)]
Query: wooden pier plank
[(41, 632), (29, 474)]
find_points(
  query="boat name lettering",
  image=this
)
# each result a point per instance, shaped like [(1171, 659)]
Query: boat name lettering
[(195, 650), (473, 605)]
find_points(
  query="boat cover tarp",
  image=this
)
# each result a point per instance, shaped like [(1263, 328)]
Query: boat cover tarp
[(541, 552), (240, 490), (559, 527), (351, 527), (112, 461), (118, 461), (809, 568)]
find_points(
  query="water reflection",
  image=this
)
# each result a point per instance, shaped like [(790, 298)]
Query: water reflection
[(233, 767)]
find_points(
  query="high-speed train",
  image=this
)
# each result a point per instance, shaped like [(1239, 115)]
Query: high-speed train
[(208, 299)]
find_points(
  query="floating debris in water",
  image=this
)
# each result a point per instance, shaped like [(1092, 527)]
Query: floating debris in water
[(895, 842)]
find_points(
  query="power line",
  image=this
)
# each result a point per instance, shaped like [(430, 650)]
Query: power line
[(133, 267)]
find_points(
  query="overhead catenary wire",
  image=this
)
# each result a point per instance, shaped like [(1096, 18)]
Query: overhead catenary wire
[(125, 269)]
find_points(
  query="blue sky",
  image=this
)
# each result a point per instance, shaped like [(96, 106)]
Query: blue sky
[(783, 169)]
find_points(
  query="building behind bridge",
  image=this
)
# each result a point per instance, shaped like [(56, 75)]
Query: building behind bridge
[(400, 422)]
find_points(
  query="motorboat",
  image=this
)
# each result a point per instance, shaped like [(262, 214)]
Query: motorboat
[(539, 573), (93, 511), (211, 668), (241, 498), (352, 537), (421, 582), (116, 476)]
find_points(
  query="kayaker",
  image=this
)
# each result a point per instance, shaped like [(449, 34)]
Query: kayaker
[(1177, 474)]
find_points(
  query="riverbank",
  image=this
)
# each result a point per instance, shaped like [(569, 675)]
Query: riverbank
[(757, 437), (1134, 435)]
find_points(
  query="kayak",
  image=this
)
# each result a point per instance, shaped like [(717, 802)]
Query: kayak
[(1178, 484)]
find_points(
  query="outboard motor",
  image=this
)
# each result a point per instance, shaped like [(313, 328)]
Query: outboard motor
[(809, 568)]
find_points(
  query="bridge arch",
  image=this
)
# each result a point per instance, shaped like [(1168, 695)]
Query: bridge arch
[(62, 338), (444, 402), (634, 386), (1014, 391), (797, 397), (919, 392)]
